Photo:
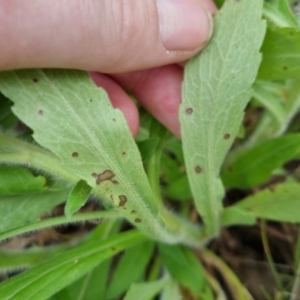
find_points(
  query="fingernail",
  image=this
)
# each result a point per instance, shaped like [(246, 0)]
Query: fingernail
[(184, 25)]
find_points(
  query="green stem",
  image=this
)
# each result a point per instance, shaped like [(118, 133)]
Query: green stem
[(172, 229), (153, 166), (268, 254), (297, 250), (238, 290), (15, 151), (58, 221)]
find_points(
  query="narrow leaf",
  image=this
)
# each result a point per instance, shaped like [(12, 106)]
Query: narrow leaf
[(130, 268), (183, 266), (255, 166), (171, 291), (237, 216), (216, 89), (279, 203), (77, 198), (146, 290), (46, 279)]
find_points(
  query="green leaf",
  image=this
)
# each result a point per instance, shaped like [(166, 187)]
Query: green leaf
[(279, 13), (179, 189), (147, 147), (46, 279), (16, 151), (15, 180), (18, 210), (263, 93), (57, 221), (279, 203), (216, 89), (281, 54), (183, 266), (77, 198), (236, 216), (19, 260), (255, 166), (146, 290), (7, 118), (130, 269), (75, 120), (171, 291), (94, 284), (268, 127)]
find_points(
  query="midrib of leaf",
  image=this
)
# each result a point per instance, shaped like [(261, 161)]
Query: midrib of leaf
[(95, 130), (204, 127), (215, 210)]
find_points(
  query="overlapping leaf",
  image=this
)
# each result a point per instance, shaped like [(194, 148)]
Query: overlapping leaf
[(216, 89), (49, 277), (74, 119)]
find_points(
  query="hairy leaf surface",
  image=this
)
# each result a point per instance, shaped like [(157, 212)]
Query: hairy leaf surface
[(216, 89), (74, 119)]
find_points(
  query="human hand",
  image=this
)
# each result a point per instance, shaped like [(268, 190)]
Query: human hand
[(137, 43)]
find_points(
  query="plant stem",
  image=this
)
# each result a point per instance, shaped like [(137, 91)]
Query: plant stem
[(153, 166), (172, 229), (15, 151), (266, 246), (58, 221), (235, 285)]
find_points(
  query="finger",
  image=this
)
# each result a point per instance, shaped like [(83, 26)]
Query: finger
[(119, 99), (159, 91), (107, 36)]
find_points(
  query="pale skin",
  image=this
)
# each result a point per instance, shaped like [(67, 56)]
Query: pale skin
[(126, 45)]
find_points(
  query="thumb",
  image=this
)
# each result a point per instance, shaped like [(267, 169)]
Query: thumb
[(107, 36)]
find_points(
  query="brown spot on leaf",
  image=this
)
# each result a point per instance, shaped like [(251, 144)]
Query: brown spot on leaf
[(198, 169), (123, 200), (123, 153), (230, 169), (137, 220), (114, 119), (285, 68), (113, 248), (226, 136), (35, 80), (272, 188), (75, 154), (40, 112), (91, 100), (133, 212), (106, 175), (189, 111)]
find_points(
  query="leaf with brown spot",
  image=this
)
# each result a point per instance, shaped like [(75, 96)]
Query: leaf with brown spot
[(123, 200), (97, 132), (217, 85)]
